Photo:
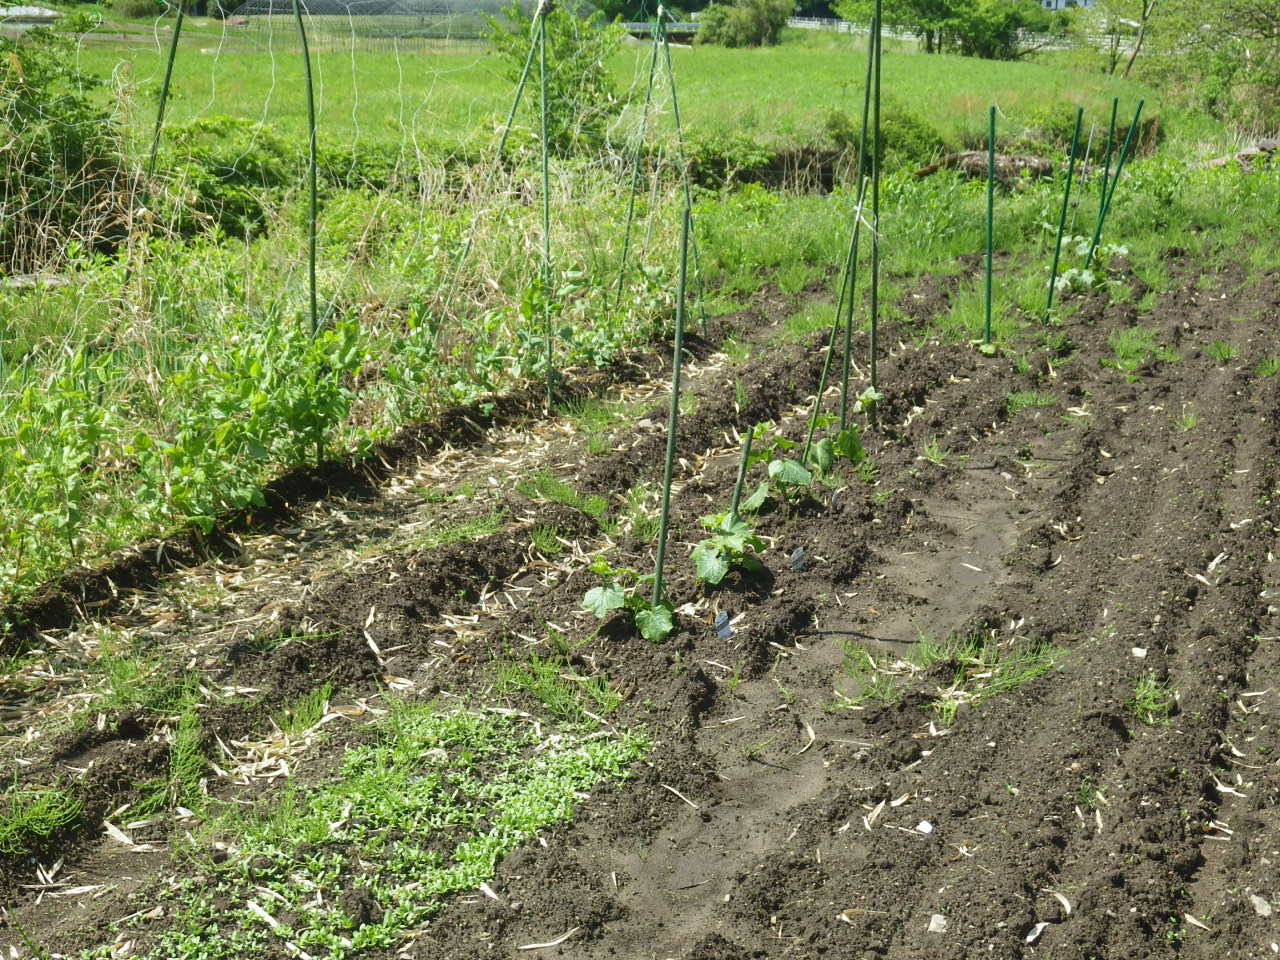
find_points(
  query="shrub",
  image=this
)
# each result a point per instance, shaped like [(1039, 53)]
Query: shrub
[(61, 169), (905, 136), (745, 23), (137, 9)]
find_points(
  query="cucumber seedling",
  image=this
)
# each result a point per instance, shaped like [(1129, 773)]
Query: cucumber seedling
[(732, 545), (622, 590)]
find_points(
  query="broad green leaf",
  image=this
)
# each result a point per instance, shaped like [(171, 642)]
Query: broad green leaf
[(655, 623), (790, 471), (600, 600), (756, 500), (848, 444), (823, 455), (710, 566)]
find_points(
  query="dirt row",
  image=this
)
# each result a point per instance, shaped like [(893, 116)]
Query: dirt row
[(1127, 522)]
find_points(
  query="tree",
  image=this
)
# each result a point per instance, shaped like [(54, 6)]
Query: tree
[(745, 23), (991, 29), (1225, 54)]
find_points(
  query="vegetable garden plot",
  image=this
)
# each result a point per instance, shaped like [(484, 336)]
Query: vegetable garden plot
[(871, 754)]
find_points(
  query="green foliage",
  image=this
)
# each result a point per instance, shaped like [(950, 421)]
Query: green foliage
[(1221, 351), (990, 29), (731, 546), (570, 697), (30, 817), (1153, 700), (305, 712), (621, 590), (744, 23), (1133, 348), (425, 809), (982, 668), (1020, 400), (544, 485), (582, 99)]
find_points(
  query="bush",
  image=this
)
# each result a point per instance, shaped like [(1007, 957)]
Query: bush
[(137, 9), (61, 168), (905, 136), (745, 23)]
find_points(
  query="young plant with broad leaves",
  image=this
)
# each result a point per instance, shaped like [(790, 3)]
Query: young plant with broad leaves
[(732, 545), (621, 590)]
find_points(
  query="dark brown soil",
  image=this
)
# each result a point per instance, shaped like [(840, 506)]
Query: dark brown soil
[(1129, 521)]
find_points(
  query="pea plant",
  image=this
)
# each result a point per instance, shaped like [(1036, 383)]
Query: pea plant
[(732, 545), (622, 589)]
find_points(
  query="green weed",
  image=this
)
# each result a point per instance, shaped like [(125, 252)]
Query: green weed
[(1153, 700), (424, 811), (1221, 351), (544, 485), (546, 540), (29, 817), (568, 696), (1021, 400)]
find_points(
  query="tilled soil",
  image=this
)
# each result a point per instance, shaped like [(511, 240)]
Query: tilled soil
[(1123, 518)]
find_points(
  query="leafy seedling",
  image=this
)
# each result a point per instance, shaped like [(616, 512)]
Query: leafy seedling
[(621, 590), (732, 546)]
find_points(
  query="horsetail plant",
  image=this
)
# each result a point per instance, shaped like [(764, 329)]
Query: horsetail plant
[(1062, 217)]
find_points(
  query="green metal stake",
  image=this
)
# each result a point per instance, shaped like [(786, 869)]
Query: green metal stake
[(684, 166), (1125, 152), (635, 173), (1062, 217), (673, 414), (857, 229), (164, 92), (155, 137), (742, 476), (850, 274), (546, 210), (991, 202), (1106, 165), (311, 169), (876, 146)]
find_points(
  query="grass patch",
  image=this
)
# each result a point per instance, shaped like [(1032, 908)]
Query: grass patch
[(568, 696), (1269, 366), (471, 529), (1134, 347), (423, 812), (545, 486), (305, 712), (980, 668), (1221, 351), (546, 540), (1021, 400)]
